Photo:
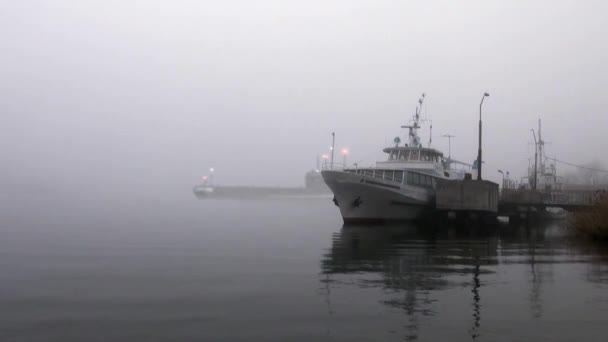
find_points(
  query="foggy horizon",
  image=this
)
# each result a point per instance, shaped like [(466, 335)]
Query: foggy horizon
[(114, 112), (150, 95)]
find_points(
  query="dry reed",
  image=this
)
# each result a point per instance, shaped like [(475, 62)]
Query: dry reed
[(594, 222)]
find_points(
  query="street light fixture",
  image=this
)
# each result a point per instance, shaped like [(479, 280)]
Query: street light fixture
[(325, 158), (333, 144), (479, 150), (210, 178), (344, 154)]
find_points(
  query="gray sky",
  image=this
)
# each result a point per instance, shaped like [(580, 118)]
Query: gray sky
[(150, 94)]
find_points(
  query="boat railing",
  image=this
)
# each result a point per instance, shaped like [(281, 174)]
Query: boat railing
[(334, 167)]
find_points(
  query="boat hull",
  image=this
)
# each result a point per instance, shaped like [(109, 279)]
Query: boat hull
[(365, 199)]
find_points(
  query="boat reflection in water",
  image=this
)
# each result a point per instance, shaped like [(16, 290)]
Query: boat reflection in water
[(447, 281)]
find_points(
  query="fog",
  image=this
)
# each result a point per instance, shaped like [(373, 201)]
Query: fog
[(124, 97)]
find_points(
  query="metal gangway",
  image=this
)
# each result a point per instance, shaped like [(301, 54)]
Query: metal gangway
[(514, 201)]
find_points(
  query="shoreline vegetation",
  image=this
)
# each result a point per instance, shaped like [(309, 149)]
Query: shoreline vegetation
[(594, 223)]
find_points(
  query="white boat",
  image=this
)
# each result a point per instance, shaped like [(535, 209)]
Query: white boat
[(400, 188), (542, 174)]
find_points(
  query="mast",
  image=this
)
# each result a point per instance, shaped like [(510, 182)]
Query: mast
[(431, 135), (413, 138)]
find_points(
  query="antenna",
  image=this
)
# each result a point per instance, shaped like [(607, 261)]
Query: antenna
[(426, 119), (449, 136), (397, 140), (414, 139)]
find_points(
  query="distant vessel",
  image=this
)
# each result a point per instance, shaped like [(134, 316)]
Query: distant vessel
[(399, 188), (542, 175), (313, 187)]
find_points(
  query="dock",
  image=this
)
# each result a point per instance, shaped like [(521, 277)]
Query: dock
[(473, 197), (522, 203), (467, 196)]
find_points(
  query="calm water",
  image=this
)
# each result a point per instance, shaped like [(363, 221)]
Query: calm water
[(188, 270)]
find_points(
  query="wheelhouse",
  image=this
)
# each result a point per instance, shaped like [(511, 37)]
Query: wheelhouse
[(413, 154)]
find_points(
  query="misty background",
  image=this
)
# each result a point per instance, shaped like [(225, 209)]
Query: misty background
[(116, 98)]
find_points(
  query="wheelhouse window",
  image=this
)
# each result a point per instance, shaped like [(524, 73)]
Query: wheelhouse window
[(415, 155)]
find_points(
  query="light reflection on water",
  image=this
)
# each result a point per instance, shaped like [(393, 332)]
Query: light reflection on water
[(177, 269), (417, 267)]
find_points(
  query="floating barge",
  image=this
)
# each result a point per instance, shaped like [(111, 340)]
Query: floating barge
[(256, 192), (314, 188)]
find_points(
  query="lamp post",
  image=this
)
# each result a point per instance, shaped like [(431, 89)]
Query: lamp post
[(503, 178), (344, 154), (333, 143), (535, 158), (325, 157), (479, 150)]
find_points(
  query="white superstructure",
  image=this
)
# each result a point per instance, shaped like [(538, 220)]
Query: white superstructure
[(402, 187)]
